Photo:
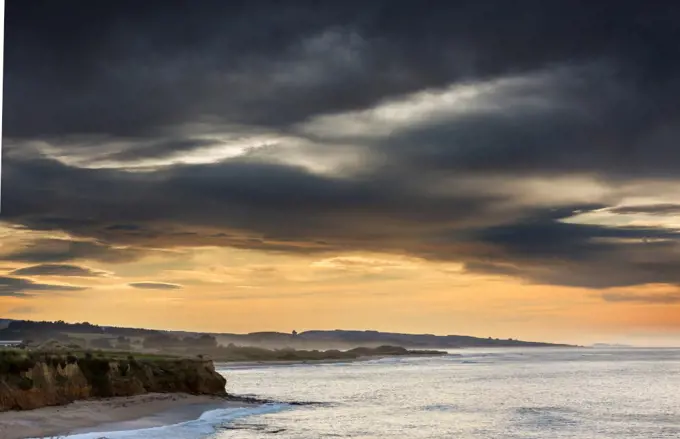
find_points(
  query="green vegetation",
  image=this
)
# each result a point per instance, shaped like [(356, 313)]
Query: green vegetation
[(25, 383), (242, 353), (207, 345), (248, 353), (233, 353), (14, 361)]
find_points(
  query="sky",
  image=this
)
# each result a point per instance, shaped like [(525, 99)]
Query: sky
[(495, 168)]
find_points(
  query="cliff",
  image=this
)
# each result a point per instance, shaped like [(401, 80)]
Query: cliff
[(38, 380)]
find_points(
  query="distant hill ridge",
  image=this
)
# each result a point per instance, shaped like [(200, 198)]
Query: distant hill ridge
[(415, 340), (314, 339)]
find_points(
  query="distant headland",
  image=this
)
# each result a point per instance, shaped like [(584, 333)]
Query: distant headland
[(235, 347)]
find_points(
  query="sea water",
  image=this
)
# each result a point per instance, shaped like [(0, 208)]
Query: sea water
[(480, 394)]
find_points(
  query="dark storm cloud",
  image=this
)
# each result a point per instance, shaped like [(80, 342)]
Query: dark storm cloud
[(482, 90), (160, 149), (553, 252), (57, 270), (541, 237), (16, 286), (591, 118), (236, 62), (155, 286), (239, 202), (250, 62)]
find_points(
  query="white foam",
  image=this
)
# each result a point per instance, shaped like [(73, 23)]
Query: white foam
[(195, 429)]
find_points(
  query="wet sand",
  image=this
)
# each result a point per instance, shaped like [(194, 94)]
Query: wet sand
[(124, 413)]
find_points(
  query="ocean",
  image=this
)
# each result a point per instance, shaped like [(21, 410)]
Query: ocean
[(470, 394)]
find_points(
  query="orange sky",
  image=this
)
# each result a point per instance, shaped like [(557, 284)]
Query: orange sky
[(229, 290)]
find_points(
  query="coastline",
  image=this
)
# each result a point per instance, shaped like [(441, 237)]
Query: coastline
[(111, 414), (240, 364), (139, 411)]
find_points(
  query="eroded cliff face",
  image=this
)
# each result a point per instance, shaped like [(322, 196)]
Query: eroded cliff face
[(58, 382)]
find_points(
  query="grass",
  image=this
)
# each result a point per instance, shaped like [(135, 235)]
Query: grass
[(14, 361), (234, 353)]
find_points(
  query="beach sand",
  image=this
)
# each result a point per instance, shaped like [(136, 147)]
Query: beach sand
[(97, 415)]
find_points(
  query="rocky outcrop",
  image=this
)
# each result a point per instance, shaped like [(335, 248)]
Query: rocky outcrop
[(61, 380)]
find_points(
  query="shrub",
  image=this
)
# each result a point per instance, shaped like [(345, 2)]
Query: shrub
[(54, 361), (96, 371), (124, 367), (25, 383)]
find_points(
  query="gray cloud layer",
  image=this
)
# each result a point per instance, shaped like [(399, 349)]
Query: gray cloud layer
[(51, 250), (441, 128), (16, 286), (56, 270)]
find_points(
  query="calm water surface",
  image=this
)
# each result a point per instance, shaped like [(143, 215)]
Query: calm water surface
[(476, 394)]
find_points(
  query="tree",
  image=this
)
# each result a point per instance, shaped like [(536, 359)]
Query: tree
[(123, 343), (161, 341), (205, 341), (102, 343)]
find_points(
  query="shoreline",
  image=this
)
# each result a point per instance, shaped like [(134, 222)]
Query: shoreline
[(239, 364), (111, 414), (458, 353), (134, 412)]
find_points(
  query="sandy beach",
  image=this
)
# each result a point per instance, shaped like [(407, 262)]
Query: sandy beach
[(124, 413)]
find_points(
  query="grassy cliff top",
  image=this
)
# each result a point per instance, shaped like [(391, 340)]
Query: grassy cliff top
[(17, 360)]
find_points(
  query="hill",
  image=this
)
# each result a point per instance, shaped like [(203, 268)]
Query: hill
[(107, 337), (344, 339), (415, 340)]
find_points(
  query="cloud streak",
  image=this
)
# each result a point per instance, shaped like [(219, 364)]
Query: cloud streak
[(52, 251), (651, 299), (155, 286), (57, 270), (18, 287)]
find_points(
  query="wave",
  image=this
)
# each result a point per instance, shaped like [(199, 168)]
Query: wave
[(199, 428)]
